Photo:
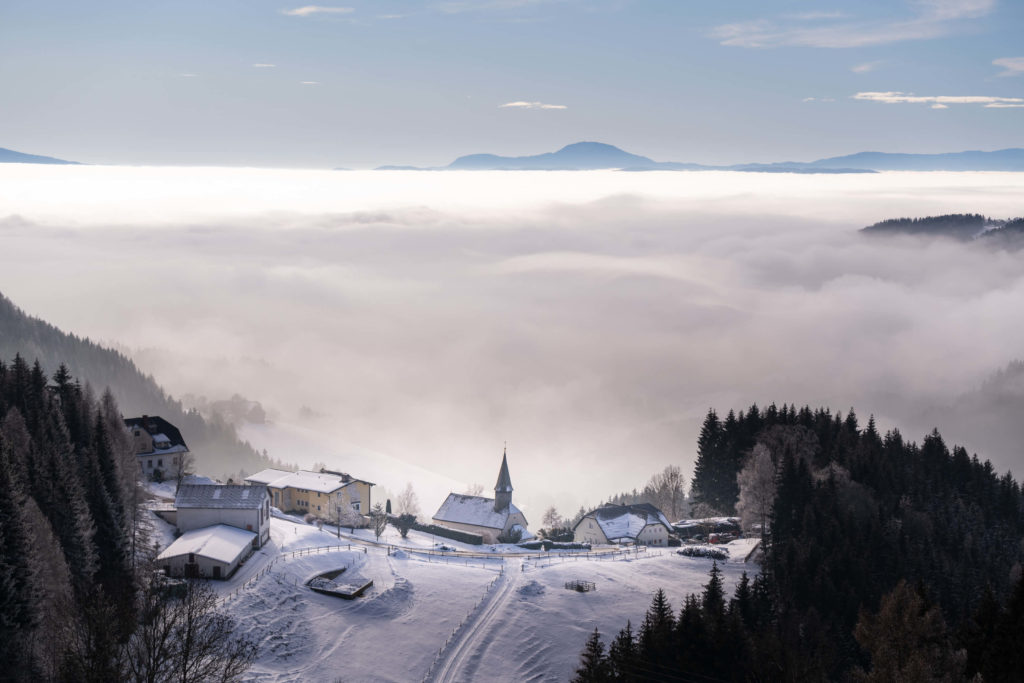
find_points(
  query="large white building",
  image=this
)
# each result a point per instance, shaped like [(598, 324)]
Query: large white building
[(488, 517), (213, 552), (640, 524), (242, 507)]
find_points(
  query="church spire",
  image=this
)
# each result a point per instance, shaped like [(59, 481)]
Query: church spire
[(503, 489)]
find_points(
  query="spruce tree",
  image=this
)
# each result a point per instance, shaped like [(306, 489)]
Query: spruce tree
[(593, 666)]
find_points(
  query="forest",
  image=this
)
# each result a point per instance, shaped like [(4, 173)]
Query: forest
[(883, 559), (964, 227), (80, 599), (213, 441)]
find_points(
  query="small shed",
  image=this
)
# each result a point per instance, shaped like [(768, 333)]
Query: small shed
[(213, 552)]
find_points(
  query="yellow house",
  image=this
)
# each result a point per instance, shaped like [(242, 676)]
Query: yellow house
[(325, 493)]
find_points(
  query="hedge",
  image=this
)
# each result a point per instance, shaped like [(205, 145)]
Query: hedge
[(453, 534)]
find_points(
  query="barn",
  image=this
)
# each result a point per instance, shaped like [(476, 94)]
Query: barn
[(213, 552)]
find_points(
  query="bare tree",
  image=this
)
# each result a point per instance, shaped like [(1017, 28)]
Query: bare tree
[(182, 465), (552, 520), (346, 515), (757, 488), (403, 523), (474, 489), (669, 491), (407, 503)]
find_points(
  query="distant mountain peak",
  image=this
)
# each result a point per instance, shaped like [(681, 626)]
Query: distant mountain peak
[(9, 156)]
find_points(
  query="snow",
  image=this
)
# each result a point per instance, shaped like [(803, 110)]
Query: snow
[(219, 542), (311, 481), (474, 510), (454, 617)]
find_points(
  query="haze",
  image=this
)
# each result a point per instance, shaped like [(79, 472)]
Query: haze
[(588, 319)]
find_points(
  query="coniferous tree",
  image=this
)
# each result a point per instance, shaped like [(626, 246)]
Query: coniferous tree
[(593, 667)]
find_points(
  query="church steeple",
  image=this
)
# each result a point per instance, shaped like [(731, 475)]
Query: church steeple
[(503, 489)]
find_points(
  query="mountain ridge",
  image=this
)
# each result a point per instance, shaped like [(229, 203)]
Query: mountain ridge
[(9, 156), (588, 155)]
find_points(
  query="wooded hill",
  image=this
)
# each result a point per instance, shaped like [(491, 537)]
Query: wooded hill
[(964, 227), (883, 560), (217, 448)]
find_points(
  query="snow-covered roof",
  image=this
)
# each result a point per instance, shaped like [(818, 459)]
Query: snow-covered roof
[(619, 522), (220, 496), (156, 426), (320, 482), (475, 510), (219, 542), (177, 448)]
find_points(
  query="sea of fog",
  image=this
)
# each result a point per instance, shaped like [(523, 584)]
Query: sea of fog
[(406, 325)]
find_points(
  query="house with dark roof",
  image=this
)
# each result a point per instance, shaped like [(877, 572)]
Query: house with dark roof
[(243, 507), (488, 517), (159, 446), (639, 524)]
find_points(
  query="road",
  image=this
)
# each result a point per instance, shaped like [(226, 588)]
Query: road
[(458, 662)]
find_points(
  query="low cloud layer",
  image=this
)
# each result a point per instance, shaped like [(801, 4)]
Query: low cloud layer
[(589, 319)]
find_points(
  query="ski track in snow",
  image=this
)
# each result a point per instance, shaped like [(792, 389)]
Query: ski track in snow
[(462, 656)]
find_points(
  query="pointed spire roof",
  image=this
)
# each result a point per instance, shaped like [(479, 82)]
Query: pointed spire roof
[(504, 484)]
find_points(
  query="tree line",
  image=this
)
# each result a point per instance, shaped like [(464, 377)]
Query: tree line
[(859, 525), (79, 595)]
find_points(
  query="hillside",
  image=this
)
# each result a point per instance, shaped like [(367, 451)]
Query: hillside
[(964, 227), (217, 449), (9, 156), (585, 156)]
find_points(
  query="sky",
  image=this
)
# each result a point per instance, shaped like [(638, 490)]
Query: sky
[(361, 83), (589, 320)]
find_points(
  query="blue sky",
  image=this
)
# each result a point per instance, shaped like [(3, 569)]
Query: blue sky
[(358, 83)]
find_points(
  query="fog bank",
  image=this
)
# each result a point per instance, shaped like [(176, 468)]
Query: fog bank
[(588, 319)]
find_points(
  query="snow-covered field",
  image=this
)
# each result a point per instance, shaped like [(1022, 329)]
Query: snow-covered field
[(502, 618)]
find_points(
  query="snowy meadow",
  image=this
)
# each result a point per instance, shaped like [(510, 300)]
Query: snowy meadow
[(403, 325)]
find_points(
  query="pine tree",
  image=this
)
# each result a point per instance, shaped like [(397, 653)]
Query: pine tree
[(20, 591), (622, 655), (593, 666)]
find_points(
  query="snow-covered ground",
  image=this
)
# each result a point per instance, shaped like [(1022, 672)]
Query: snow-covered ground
[(507, 617)]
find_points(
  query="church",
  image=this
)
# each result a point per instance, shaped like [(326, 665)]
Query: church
[(491, 518)]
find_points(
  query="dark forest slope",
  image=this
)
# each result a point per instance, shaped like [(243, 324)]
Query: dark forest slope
[(217, 449)]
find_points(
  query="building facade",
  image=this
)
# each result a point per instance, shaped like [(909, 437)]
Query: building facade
[(324, 493), (487, 517)]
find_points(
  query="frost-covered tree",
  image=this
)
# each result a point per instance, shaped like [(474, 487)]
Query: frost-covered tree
[(757, 488), (379, 520), (407, 502)]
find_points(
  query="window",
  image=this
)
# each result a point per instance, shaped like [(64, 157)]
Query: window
[(160, 462), (149, 463)]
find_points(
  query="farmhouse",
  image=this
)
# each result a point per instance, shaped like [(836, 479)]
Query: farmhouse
[(640, 524), (213, 552), (324, 493), (242, 507), (159, 447), (489, 517)]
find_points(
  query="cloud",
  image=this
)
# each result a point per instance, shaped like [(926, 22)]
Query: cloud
[(1003, 105), (927, 19), (459, 6), (310, 82), (530, 105), (937, 105), (818, 99), (866, 67), (896, 97), (582, 315), (1012, 66), (310, 10), (188, 75), (264, 66)]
